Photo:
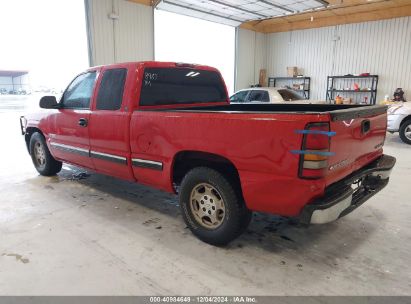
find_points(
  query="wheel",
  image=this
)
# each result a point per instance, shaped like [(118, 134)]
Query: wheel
[(405, 132), (211, 207), (43, 161)]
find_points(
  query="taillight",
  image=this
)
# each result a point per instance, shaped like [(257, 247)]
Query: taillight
[(315, 150)]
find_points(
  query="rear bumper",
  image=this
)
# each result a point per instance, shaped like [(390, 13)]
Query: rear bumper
[(346, 195)]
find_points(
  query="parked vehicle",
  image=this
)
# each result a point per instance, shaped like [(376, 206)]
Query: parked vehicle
[(399, 120), (269, 95), (171, 126)]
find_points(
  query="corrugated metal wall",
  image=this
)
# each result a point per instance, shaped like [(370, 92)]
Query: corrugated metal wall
[(251, 56), (129, 38), (378, 47)]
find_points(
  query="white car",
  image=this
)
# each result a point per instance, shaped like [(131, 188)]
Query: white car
[(269, 95), (399, 120)]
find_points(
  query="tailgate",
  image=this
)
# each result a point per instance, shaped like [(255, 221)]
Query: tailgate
[(358, 140)]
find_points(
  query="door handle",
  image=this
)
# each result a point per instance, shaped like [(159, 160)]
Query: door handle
[(83, 122)]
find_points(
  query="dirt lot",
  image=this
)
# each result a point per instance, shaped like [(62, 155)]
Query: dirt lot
[(82, 233)]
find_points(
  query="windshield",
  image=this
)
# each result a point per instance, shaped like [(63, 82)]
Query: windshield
[(166, 86)]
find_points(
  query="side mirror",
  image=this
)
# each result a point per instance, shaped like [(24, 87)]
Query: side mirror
[(48, 102)]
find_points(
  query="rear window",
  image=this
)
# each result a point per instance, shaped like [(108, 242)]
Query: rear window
[(165, 86), (289, 95)]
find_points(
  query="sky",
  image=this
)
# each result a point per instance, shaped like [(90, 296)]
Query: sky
[(186, 39), (46, 37), (49, 39)]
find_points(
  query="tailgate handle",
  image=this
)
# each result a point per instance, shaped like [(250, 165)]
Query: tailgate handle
[(365, 126)]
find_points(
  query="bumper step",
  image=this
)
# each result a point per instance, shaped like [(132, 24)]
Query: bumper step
[(348, 194)]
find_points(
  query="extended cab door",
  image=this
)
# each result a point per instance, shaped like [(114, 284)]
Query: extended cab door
[(109, 124), (69, 133)]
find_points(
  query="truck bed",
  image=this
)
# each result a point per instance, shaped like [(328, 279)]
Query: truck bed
[(259, 139), (337, 112)]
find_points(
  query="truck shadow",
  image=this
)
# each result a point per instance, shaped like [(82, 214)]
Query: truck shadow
[(327, 242), (274, 234)]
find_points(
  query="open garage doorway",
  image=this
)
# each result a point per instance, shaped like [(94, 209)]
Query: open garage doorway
[(44, 47), (185, 39)]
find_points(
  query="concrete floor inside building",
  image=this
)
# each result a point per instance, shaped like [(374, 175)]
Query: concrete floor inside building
[(81, 233)]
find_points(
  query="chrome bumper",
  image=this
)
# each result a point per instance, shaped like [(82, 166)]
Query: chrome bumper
[(348, 194)]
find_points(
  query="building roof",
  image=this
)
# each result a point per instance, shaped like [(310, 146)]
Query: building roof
[(10, 73), (271, 16)]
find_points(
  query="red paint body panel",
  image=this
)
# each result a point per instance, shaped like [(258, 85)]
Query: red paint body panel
[(62, 128), (259, 145), (266, 167), (351, 145)]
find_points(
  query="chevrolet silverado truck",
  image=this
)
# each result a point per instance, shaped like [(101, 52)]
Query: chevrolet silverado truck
[(170, 126)]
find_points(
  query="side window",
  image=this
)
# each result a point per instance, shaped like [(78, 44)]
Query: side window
[(259, 95), (110, 93), (239, 96), (78, 93)]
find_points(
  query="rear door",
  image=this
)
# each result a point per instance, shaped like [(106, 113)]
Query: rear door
[(109, 125), (69, 135), (358, 140)]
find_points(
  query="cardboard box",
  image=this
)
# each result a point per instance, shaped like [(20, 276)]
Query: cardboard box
[(292, 71)]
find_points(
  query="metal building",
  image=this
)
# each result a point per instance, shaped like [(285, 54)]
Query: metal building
[(14, 82)]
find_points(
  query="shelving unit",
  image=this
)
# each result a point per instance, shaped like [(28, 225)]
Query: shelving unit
[(305, 81), (336, 84)]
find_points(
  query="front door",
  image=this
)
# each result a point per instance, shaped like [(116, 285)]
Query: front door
[(69, 135)]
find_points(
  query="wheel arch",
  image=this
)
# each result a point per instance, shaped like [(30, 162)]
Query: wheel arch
[(406, 118), (184, 161), (27, 136)]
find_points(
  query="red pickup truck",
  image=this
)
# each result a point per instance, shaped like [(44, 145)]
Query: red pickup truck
[(170, 126)]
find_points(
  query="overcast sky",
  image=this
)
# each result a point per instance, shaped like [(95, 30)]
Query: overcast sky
[(48, 38)]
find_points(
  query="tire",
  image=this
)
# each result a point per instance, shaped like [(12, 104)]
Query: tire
[(405, 131), (205, 192), (43, 161)]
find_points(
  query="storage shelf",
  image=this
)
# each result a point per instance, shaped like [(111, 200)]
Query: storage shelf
[(372, 84), (290, 78), (353, 77), (355, 91)]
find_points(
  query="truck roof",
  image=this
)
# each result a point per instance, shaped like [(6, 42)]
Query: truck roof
[(158, 64)]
